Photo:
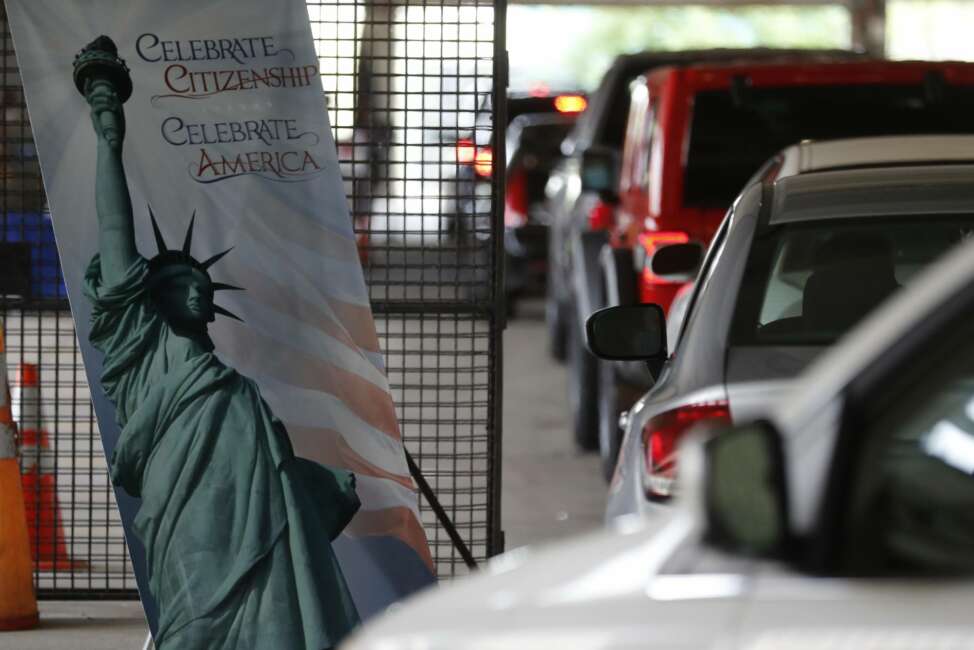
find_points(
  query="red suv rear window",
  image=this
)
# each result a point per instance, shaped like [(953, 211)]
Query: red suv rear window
[(732, 134)]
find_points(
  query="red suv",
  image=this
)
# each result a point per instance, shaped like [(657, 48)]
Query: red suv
[(697, 133)]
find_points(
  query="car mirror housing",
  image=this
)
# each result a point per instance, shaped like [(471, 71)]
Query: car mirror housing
[(677, 262), (627, 333), (744, 489), (599, 170)]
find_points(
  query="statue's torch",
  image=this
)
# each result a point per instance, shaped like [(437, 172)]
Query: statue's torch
[(99, 63)]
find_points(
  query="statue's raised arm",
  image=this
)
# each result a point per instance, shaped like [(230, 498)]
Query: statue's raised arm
[(103, 78)]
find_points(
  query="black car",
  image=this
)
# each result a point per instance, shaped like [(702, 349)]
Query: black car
[(533, 149)]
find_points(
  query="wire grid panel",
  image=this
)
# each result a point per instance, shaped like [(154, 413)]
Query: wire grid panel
[(404, 85), (76, 535), (439, 369), (409, 89)]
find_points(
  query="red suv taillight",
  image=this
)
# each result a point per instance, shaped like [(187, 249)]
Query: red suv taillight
[(662, 433), (480, 158), (483, 162), (653, 288), (652, 242)]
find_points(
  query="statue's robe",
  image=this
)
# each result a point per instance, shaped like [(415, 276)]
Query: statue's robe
[(237, 530)]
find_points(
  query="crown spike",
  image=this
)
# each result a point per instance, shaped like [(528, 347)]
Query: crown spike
[(160, 242), (213, 260), (189, 234), (220, 310), (220, 286)]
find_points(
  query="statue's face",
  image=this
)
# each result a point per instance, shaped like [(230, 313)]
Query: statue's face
[(186, 298)]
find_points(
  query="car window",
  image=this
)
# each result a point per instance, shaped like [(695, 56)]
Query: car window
[(913, 510), (632, 164), (810, 283), (732, 133)]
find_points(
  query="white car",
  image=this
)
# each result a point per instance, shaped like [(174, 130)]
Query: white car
[(845, 520), (826, 232)]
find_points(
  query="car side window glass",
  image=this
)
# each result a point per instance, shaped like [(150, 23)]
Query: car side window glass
[(631, 158), (913, 509), (646, 146)]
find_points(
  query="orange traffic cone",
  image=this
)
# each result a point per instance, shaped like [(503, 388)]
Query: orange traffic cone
[(47, 544), (18, 605)]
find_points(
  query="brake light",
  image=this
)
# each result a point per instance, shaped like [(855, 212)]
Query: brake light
[(652, 242), (483, 162), (602, 216), (466, 152), (516, 199), (662, 433), (570, 103)]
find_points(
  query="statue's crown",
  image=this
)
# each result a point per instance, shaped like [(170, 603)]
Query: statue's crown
[(168, 261)]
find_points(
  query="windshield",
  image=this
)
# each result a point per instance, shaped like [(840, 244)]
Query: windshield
[(733, 134), (808, 284)]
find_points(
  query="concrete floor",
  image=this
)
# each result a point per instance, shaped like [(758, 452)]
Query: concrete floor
[(550, 491), (82, 626)]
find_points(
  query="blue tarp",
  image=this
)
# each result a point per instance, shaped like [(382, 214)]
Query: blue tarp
[(36, 230)]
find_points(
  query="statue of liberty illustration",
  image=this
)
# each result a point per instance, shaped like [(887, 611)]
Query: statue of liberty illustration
[(237, 529)]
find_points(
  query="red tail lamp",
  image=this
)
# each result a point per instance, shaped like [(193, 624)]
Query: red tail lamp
[(662, 433), (483, 162), (652, 242), (570, 103)]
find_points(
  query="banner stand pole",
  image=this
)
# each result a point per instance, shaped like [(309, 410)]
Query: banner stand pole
[(441, 515), (148, 645)]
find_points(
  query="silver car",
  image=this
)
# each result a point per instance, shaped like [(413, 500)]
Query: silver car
[(842, 521), (798, 261)]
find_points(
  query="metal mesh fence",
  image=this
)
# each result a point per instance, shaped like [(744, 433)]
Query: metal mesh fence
[(409, 90)]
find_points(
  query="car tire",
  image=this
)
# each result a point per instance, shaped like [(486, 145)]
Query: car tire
[(554, 314), (583, 388), (615, 396), (621, 287)]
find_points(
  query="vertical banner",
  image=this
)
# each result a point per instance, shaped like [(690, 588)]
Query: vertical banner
[(223, 316)]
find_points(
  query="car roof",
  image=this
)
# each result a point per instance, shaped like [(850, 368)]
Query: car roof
[(873, 192), (797, 71), (626, 67), (850, 153), (529, 120)]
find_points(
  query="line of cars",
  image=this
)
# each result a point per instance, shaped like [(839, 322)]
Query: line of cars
[(695, 133), (825, 233), (801, 471), (842, 519)]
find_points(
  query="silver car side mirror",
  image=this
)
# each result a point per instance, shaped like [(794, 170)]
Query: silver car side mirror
[(744, 489)]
